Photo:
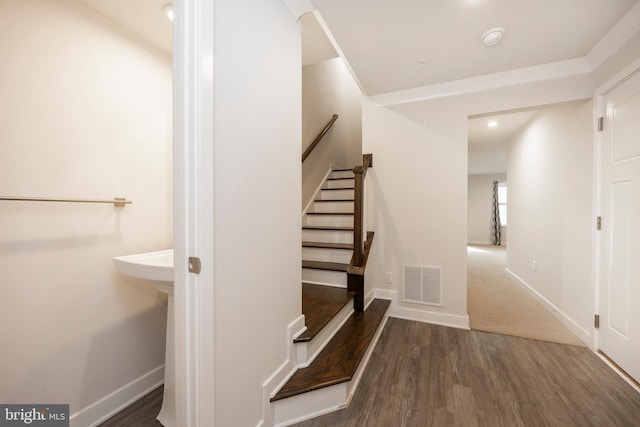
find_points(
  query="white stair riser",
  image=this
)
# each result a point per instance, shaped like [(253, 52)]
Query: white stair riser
[(327, 255), (342, 183), (329, 220), (327, 236), (306, 352), (336, 195), (333, 207), (333, 278), (342, 174), (308, 405)]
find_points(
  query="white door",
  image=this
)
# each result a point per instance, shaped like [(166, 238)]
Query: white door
[(619, 335)]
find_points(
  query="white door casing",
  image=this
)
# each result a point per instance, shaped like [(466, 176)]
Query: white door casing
[(193, 196), (619, 272)]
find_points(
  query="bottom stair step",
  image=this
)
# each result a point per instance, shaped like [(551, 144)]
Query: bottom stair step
[(319, 305), (339, 360), (322, 265)]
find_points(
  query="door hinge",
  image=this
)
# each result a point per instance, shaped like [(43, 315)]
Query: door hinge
[(596, 321), (600, 124), (194, 265), (599, 223)]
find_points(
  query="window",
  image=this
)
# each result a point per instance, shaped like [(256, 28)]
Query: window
[(502, 203)]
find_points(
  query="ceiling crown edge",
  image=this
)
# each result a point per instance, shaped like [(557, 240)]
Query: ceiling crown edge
[(298, 7), (554, 70)]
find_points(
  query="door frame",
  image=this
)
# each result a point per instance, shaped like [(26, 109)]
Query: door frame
[(600, 111), (193, 210)]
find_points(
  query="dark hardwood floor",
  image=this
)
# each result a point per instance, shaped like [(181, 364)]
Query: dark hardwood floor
[(142, 413), (427, 375)]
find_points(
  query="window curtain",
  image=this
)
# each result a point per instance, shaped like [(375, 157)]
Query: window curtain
[(495, 217)]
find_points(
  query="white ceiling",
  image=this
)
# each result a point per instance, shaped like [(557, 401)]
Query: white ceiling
[(383, 40), (507, 126), (488, 146), (144, 18)]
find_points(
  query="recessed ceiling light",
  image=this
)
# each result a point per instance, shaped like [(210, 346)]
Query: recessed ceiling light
[(493, 36), (168, 11), (492, 124), (421, 62)]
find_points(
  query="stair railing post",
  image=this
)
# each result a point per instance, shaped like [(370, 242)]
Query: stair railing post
[(357, 216)]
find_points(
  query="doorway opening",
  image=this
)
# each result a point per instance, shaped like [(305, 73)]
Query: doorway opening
[(508, 207)]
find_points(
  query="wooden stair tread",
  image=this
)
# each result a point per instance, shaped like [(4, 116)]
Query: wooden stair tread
[(340, 179), (326, 228), (322, 265), (326, 245), (330, 213), (334, 200), (342, 170), (339, 360), (320, 304), (334, 189)]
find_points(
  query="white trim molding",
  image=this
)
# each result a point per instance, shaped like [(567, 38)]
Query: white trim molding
[(537, 73), (425, 316), (567, 321), (110, 405), (193, 136), (600, 111), (275, 382), (621, 33)]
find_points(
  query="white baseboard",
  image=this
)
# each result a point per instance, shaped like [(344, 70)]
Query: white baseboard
[(436, 318), (110, 405), (283, 373), (479, 242), (368, 298), (567, 321)]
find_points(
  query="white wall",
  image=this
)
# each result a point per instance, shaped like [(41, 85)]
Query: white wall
[(479, 209), (418, 196), (327, 89), (550, 208), (257, 200), (414, 195), (86, 113), (487, 158)]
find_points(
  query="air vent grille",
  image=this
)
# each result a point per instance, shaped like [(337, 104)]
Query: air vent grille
[(422, 284)]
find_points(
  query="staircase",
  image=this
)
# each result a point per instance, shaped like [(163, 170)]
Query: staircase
[(340, 333)]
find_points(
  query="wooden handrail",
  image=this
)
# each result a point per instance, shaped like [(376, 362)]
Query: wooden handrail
[(360, 172), (319, 137)]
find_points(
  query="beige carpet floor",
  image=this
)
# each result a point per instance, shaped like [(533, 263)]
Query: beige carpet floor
[(498, 303)]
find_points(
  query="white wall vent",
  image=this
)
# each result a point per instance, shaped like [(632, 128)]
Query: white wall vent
[(422, 284)]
